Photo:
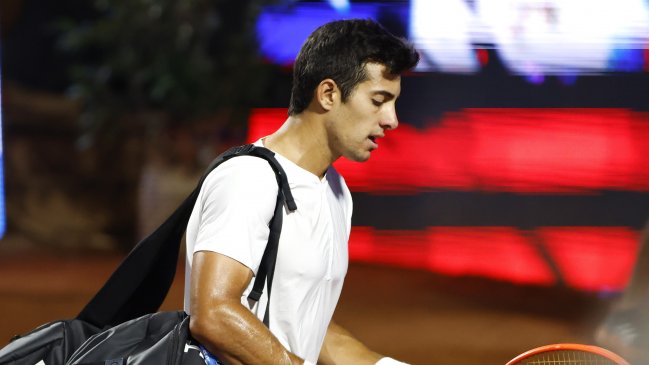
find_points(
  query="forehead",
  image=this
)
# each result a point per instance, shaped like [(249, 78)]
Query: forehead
[(380, 80)]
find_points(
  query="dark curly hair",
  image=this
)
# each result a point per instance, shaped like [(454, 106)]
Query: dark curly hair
[(339, 50)]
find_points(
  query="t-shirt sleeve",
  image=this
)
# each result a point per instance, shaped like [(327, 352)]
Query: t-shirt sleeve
[(237, 203)]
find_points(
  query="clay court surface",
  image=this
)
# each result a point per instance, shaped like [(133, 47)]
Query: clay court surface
[(415, 316)]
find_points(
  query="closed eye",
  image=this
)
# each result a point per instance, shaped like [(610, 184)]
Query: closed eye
[(380, 97)]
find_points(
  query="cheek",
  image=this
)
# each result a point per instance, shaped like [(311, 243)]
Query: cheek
[(354, 124)]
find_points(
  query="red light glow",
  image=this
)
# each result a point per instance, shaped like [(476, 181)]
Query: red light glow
[(516, 150), (558, 151), (592, 258), (587, 258)]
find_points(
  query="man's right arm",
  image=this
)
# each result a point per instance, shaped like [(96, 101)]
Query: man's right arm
[(221, 323)]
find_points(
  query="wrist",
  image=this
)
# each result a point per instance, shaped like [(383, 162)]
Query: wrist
[(389, 361)]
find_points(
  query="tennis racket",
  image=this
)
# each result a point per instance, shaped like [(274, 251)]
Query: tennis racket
[(568, 354)]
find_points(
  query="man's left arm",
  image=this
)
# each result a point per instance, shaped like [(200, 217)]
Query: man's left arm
[(342, 348)]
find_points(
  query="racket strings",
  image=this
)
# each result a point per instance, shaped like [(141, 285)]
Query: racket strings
[(567, 357)]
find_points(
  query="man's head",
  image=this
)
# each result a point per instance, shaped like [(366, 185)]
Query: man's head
[(339, 51)]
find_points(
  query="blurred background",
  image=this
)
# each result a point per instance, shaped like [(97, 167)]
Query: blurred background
[(504, 213)]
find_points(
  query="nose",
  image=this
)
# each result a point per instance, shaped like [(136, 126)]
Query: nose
[(389, 120)]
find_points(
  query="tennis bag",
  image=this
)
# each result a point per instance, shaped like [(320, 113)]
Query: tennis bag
[(120, 325), (156, 338)]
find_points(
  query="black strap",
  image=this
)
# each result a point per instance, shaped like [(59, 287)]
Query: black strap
[(141, 282), (267, 266)]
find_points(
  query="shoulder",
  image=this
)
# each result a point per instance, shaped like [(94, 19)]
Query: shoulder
[(243, 169), (242, 176)]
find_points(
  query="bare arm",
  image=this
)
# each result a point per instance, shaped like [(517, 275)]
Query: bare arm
[(342, 348), (221, 323)]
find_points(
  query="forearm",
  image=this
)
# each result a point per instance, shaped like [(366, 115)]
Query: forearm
[(236, 337), (342, 348)]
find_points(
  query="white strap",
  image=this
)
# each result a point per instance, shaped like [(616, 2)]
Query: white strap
[(389, 361)]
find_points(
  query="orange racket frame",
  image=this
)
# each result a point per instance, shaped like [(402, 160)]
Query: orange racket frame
[(570, 347)]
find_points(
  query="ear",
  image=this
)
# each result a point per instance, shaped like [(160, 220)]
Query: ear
[(327, 94)]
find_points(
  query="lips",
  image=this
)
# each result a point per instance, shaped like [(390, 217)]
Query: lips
[(374, 139)]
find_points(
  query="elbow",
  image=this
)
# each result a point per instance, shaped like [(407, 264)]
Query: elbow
[(209, 328), (198, 329)]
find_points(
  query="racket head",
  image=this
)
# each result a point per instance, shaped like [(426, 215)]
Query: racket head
[(568, 354)]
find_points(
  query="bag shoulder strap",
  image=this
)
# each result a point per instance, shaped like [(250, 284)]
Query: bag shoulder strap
[(141, 282)]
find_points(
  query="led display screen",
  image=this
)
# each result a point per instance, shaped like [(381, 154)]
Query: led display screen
[(526, 37), (469, 185), (517, 150), (521, 149)]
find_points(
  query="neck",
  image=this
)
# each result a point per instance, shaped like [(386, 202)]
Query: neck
[(302, 139)]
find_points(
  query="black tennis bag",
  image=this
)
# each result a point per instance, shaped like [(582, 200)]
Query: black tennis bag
[(51, 343), (156, 338), (121, 325)]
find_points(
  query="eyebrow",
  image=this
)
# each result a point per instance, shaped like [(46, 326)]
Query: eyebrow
[(387, 94)]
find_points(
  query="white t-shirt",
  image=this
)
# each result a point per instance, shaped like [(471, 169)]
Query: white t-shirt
[(231, 217)]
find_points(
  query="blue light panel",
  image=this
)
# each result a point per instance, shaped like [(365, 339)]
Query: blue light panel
[(281, 30), (580, 38)]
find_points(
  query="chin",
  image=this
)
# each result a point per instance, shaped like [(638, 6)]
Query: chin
[(359, 157)]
